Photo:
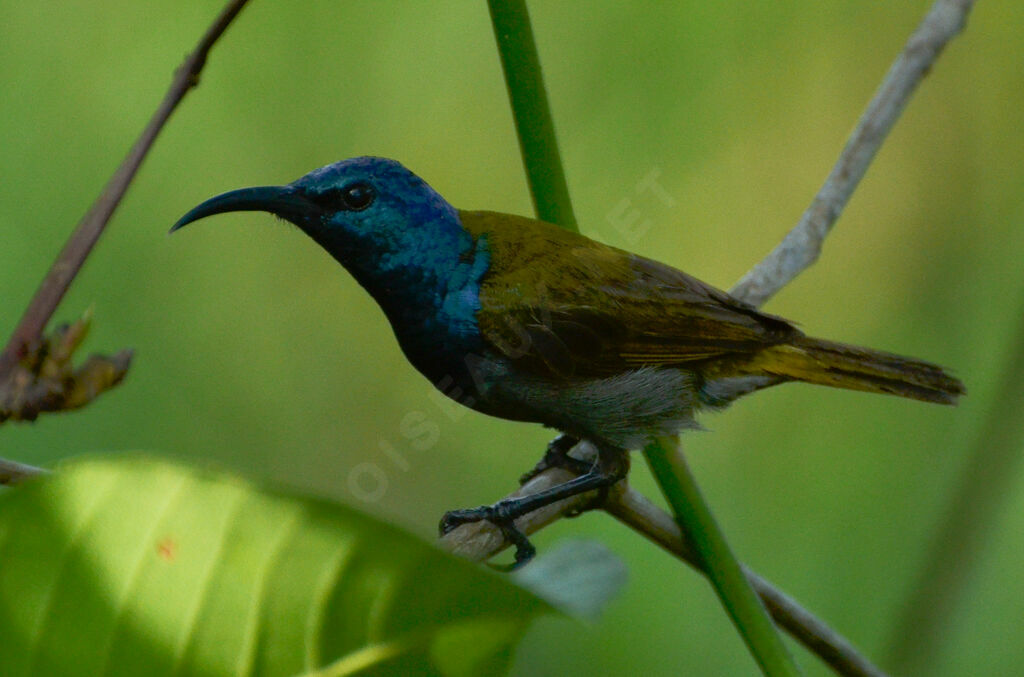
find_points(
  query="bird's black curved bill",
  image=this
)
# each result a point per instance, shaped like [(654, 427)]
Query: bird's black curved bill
[(284, 201)]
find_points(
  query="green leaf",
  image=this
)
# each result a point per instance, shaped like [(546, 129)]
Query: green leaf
[(137, 566)]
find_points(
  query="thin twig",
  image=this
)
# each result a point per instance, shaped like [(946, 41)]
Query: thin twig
[(802, 245), (89, 229), (12, 472), (637, 512)]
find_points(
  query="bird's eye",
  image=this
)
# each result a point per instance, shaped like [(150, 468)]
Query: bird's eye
[(358, 196)]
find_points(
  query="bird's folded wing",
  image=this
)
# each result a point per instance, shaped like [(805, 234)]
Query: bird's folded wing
[(562, 304)]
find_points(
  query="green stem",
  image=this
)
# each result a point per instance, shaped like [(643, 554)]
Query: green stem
[(698, 524), (550, 194), (534, 125)]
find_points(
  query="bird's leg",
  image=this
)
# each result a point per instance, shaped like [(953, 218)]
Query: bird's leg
[(557, 456), (611, 465)]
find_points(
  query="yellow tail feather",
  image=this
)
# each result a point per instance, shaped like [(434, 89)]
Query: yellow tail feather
[(842, 366)]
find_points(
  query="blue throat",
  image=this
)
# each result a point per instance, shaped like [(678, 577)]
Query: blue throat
[(431, 302), (432, 306)]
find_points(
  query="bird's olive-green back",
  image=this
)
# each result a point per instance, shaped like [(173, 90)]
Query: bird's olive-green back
[(570, 305)]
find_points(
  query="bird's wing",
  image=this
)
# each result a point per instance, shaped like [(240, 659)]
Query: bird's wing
[(563, 304)]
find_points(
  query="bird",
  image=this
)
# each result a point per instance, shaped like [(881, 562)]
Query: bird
[(523, 320)]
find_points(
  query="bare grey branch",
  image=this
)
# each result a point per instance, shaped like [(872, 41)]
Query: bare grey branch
[(802, 245)]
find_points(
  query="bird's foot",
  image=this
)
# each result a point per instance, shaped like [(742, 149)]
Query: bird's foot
[(611, 466), (596, 503), (500, 515), (557, 456)]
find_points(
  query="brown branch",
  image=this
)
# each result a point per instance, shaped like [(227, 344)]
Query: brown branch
[(635, 511), (798, 250), (30, 329)]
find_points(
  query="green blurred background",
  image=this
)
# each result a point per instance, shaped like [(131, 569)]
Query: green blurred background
[(255, 351)]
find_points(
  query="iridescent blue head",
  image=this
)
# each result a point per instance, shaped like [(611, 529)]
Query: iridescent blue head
[(397, 236)]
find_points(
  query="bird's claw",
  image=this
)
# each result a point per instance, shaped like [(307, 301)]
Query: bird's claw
[(496, 515), (610, 466)]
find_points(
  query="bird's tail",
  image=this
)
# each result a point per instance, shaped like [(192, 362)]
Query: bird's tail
[(843, 366)]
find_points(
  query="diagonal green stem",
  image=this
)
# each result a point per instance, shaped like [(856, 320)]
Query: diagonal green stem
[(698, 524), (550, 193), (534, 125)]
